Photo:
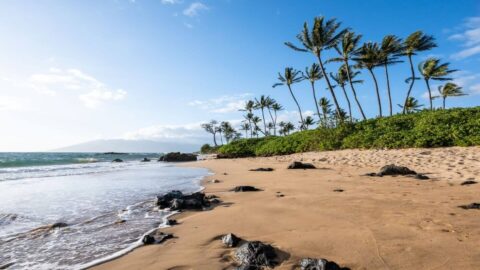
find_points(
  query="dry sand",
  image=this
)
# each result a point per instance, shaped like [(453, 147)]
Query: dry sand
[(376, 223)]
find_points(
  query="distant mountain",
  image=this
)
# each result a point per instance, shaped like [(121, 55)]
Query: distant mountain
[(130, 146)]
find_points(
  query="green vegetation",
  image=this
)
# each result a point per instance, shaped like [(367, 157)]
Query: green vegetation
[(453, 127)]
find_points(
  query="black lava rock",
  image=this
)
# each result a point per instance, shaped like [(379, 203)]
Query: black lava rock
[(300, 165), (171, 222), (230, 240), (244, 189), (468, 182), (148, 240), (176, 200), (262, 170), (419, 176), (178, 157), (117, 160), (319, 264), (395, 170), (255, 255), (470, 206)]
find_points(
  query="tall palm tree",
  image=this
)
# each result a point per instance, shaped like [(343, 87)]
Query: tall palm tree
[(261, 104), (411, 105), (369, 56), (325, 106), (431, 69), (324, 36), (414, 43), (449, 90), (346, 48), (391, 47), (248, 107), (289, 127), (256, 128), (341, 78), (290, 77), (249, 118), (313, 74)]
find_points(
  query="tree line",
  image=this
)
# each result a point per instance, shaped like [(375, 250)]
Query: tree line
[(354, 57)]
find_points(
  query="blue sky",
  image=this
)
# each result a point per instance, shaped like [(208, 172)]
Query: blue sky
[(74, 71)]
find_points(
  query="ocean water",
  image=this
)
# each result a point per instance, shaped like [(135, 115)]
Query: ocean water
[(106, 207)]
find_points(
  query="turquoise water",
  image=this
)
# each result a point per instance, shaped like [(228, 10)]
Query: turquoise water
[(90, 194)]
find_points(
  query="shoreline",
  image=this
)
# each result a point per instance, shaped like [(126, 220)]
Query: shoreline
[(376, 223)]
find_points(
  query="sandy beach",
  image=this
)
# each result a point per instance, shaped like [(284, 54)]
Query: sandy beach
[(375, 223)]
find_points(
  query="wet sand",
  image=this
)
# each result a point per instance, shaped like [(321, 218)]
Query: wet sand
[(375, 223)]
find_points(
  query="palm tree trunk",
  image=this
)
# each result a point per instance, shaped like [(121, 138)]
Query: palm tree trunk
[(275, 122), (348, 103), (298, 106), (325, 76), (354, 92), (221, 137), (246, 134), (215, 138), (429, 94), (264, 124), (444, 98), (388, 89), (324, 118), (378, 93), (411, 83), (316, 101)]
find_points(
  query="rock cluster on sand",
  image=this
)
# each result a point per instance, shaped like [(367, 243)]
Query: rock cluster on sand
[(300, 165), (394, 170), (262, 170), (255, 255), (468, 182), (145, 159), (244, 189), (178, 157), (471, 206), (176, 200), (319, 264)]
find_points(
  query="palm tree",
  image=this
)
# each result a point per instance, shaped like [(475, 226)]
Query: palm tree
[(269, 103), (391, 47), (324, 36), (289, 127), (308, 122), (313, 74), (256, 128), (450, 90), (282, 127), (249, 106), (341, 79), (431, 69), (347, 48), (414, 43), (276, 107), (290, 77), (325, 106), (369, 56), (245, 126), (261, 104), (270, 127), (411, 105)]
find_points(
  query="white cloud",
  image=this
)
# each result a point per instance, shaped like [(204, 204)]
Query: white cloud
[(192, 133), (469, 35), (9, 103), (170, 2), (90, 91), (223, 104), (194, 9), (188, 25)]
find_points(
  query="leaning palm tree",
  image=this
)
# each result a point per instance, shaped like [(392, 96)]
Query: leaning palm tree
[(411, 105), (414, 43), (249, 107), (313, 74), (341, 79), (290, 77), (269, 102), (256, 128), (391, 47), (261, 104), (249, 117), (431, 69), (449, 90), (324, 36), (369, 56), (347, 48), (325, 107)]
